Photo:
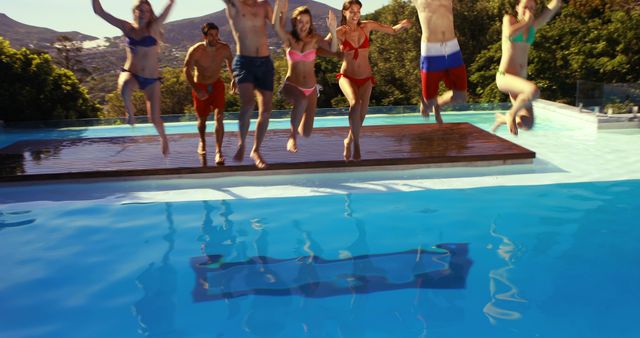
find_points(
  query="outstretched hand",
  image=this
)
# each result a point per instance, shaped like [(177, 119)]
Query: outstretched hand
[(331, 21), (405, 24)]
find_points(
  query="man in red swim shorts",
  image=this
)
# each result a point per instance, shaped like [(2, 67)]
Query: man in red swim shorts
[(206, 58)]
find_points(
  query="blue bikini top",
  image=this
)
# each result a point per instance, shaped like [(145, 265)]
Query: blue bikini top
[(145, 41)]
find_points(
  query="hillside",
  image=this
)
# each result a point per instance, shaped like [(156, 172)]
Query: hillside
[(23, 35), (183, 33)]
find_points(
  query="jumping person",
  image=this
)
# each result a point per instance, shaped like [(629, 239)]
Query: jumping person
[(517, 36), (440, 57), (252, 69), (206, 58), (355, 78), (300, 85), (140, 70)]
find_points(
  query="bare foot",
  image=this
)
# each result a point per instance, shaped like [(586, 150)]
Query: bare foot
[(164, 143), (203, 160), (219, 158), (438, 117), (424, 111), (510, 120), (500, 120), (131, 119), (257, 158), (347, 149), (356, 152), (202, 148), (292, 147), (239, 156)]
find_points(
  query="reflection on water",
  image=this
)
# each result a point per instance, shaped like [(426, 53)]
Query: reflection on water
[(272, 296), (502, 291), (156, 309), (14, 219)]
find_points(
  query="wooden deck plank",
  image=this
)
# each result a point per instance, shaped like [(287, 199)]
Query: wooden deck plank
[(134, 156)]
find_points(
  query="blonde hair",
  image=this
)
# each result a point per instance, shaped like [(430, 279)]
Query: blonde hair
[(152, 18)]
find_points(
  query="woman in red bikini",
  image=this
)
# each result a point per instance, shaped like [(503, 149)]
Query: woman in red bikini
[(355, 77), (140, 71), (300, 86)]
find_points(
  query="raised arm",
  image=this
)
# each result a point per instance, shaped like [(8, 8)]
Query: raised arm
[(376, 26), (331, 41), (279, 11), (118, 23), (165, 13), (512, 27), (548, 13), (232, 7), (269, 11)]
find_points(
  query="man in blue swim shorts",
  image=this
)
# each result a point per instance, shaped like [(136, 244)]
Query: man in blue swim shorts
[(252, 69)]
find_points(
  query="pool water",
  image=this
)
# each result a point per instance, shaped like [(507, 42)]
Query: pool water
[(554, 260)]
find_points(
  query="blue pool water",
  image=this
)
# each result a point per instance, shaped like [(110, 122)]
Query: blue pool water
[(557, 260)]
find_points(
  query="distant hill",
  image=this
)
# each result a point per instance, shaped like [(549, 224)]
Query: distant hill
[(23, 35), (105, 62), (186, 32)]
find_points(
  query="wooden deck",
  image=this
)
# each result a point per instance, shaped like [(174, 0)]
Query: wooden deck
[(391, 145)]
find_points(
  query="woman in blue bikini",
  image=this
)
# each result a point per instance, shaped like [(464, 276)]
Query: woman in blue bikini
[(141, 71), (517, 36)]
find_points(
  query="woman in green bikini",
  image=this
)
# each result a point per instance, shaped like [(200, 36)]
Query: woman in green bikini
[(517, 36)]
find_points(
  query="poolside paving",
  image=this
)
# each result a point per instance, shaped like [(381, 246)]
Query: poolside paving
[(389, 145)]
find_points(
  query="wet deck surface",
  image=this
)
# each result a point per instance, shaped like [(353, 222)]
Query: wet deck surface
[(390, 145)]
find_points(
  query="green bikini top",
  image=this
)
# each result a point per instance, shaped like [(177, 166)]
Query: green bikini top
[(531, 37)]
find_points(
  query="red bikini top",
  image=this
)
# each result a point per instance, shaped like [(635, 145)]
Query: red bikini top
[(347, 46)]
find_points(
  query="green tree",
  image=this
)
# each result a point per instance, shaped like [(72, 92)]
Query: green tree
[(588, 40), (34, 89), (68, 56)]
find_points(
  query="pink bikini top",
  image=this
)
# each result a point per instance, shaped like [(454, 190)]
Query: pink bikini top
[(295, 56)]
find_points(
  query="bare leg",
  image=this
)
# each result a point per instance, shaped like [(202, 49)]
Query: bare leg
[(524, 91), (424, 107), (219, 131), (265, 102), (306, 125), (364, 93), (152, 94), (247, 102), (295, 96), (126, 85), (351, 94), (202, 127)]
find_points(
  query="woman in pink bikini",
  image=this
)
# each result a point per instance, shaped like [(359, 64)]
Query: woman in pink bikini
[(140, 71), (300, 86), (355, 77)]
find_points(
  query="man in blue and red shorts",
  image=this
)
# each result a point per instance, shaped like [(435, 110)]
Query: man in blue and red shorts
[(440, 57), (205, 59)]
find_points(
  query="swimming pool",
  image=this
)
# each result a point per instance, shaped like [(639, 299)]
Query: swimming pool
[(551, 250), (545, 261)]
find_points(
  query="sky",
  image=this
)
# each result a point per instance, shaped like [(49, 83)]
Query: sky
[(77, 15)]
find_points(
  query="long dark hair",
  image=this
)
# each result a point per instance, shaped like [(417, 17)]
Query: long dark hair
[(345, 6), (294, 21)]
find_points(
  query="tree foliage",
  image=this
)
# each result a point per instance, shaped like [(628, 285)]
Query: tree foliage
[(595, 40), (34, 89), (68, 56), (589, 40)]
